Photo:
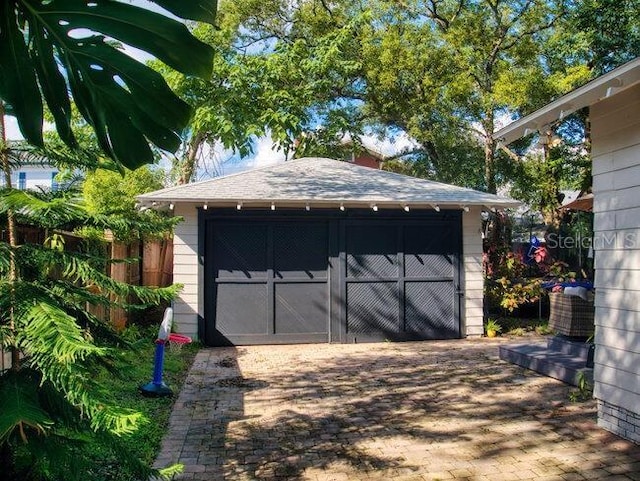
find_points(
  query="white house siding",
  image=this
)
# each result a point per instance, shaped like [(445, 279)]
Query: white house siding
[(185, 270), (472, 278), (36, 176), (616, 179)]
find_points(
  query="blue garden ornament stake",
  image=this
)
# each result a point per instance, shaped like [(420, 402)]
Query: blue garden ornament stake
[(157, 387)]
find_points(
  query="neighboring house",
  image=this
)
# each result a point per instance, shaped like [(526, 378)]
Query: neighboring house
[(366, 156), (614, 101), (321, 250), (33, 177)]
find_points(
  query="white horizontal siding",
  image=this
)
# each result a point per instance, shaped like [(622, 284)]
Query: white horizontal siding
[(617, 219), (618, 179), (619, 339), (623, 199), (473, 285), (185, 270), (615, 125), (611, 299), (184, 250), (623, 319), (617, 395), (616, 185), (617, 116), (472, 279), (620, 159), (181, 267), (621, 278), (614, 259)]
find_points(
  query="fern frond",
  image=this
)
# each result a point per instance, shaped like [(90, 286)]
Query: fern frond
[(55, 345), (53, 458), (61, 156), (20, 409), (148, 224), (5, 254), (171, 471), (79, 269), (33, 210), (50, 331)]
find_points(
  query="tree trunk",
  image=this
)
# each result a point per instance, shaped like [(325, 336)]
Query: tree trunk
[(488, 124), (13, 238), (490, 164), (188, 167)]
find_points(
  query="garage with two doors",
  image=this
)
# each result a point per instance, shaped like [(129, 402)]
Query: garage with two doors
[(320, 250)]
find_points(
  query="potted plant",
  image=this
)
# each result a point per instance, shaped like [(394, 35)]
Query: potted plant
[(492, 328)]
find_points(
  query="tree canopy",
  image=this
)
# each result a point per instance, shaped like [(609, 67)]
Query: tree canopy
[(447, 73)]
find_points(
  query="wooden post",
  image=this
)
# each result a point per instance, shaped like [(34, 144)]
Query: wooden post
[(167, 263), (151, 266), (117, 315)]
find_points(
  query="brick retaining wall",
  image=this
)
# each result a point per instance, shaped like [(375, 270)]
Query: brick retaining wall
[(619, 421)]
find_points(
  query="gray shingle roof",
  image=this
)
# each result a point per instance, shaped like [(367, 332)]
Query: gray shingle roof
[(322, 182)]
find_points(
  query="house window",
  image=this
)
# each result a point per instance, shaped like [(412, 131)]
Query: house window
[(54, 183), (22, 180)]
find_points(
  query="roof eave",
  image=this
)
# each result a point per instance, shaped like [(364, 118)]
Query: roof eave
[(598, 89), (146, 202)]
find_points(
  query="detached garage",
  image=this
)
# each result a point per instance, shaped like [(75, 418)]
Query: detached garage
[(320, 250)]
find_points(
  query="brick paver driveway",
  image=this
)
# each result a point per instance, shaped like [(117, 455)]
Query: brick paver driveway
[(410, 411)]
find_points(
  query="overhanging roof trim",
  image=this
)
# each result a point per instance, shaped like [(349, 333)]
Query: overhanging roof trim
[(600, 88), (325, 182)]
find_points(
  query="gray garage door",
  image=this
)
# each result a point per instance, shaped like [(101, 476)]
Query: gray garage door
[(268, 282), (401, 281), (300, 280)]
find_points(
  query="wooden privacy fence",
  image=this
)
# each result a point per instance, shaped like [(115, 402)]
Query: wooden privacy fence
[(154, 268), (5, 360)]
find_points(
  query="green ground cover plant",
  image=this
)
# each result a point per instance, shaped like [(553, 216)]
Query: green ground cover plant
[(137, 366)]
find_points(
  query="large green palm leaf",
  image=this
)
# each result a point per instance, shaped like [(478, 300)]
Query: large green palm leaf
[(57, 49)]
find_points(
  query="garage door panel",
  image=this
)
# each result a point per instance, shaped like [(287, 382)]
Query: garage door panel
[(437, 238), (240, 251), (429, 251), (301, 308), (372, 251), (300, 251), (241, 308), (372, 307), (428, 265), (430, 310), (268, 281)]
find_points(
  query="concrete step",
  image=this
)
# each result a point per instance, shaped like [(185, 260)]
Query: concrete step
[(539, 358), (572, 347)]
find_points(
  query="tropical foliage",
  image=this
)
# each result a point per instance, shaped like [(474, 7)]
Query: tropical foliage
[(60, 53), (48, 49), (443, 73), (446, 73), (50, 401), (113, 195)]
